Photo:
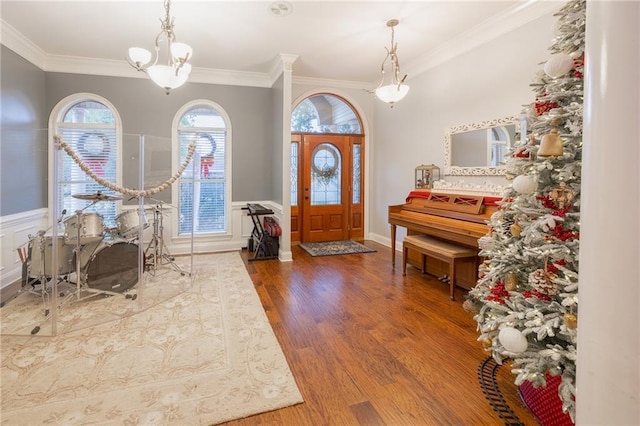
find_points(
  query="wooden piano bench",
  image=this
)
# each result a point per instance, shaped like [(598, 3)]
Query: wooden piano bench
[(443, 250)]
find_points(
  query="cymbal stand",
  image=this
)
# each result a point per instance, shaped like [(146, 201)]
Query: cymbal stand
[(157, 254)]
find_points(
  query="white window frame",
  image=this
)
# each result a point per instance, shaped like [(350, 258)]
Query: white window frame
[(56, 116), (175, 160)]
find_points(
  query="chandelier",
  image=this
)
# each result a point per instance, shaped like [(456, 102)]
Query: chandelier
[(176, 72), (391, 89)]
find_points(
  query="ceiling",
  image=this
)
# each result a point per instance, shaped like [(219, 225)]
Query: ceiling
[(333, 40)]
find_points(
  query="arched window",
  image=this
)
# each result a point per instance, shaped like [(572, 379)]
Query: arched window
[(204, 196), (90, 125), (324, 113)]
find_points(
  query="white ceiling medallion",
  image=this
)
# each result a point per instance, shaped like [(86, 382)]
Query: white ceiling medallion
[(280, 8)]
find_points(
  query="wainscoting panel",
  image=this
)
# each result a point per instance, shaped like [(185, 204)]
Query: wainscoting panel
[(15, 231)]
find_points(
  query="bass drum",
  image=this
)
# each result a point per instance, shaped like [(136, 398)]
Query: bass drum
[(110, 265)]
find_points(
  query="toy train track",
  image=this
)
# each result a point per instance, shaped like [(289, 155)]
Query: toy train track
[(487, 371)]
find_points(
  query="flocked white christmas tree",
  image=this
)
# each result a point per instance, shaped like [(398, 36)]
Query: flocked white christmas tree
[(526, 299)]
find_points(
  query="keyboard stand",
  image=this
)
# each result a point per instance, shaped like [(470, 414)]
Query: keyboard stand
[(261, 243)]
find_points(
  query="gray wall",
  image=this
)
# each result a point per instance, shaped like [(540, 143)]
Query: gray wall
[(29, 95), (490, 81), (23, 145), (145, 109)]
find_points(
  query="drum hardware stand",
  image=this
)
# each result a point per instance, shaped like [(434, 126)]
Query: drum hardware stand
[(160, 254), (42, 278), (24, 253)]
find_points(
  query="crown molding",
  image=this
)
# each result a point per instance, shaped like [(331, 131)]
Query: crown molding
[(281, 63), (230, 78), (496, 26), (114, 68), (482, 33), (311, 81), (14, 40)]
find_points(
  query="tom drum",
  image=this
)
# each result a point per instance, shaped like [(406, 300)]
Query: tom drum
[(128, 224), (88, 227)]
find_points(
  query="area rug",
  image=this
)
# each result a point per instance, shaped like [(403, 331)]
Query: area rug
[(205, 356), (25, 314), (335, 247)]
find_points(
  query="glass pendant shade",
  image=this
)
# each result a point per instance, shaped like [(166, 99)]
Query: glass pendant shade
[(392, 92), (165, 76), (139, 56), (395, 90), (185, 69), (177, 70), (181, 51)]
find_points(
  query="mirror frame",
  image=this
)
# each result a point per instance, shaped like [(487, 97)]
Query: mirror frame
[(451, 170)]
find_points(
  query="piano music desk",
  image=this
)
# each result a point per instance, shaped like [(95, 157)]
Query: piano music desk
[(443, 250)]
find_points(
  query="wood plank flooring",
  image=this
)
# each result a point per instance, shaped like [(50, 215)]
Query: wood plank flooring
[(368, 346)]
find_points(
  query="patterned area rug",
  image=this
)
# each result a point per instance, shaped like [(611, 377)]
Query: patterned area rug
[(335, 247), (205, 356)]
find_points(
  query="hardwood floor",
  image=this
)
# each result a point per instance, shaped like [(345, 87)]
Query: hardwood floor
[(368, 346)]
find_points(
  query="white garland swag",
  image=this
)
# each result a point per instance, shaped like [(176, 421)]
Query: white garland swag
[(60, 144)]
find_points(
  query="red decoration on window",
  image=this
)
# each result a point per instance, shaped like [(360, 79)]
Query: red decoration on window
[(206, 162)]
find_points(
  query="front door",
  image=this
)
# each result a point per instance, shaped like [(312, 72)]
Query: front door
[(325, 188)]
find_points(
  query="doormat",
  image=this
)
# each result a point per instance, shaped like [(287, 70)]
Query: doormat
[(331, 248)]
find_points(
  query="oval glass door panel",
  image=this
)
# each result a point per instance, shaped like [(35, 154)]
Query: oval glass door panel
[(326, 165)]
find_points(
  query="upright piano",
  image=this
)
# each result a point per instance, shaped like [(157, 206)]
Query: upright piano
[(461, 219)]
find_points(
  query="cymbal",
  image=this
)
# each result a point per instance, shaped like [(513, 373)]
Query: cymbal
[(158, 207), (98, 196)]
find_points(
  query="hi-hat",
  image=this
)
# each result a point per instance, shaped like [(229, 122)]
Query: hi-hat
[(98, 196), (158, 208)]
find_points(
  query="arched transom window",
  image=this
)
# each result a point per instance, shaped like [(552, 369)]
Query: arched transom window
[(324, 113)]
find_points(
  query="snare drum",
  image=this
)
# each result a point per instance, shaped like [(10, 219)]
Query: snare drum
[(41, 255), (128, 224), (110, 265), (89, 227)]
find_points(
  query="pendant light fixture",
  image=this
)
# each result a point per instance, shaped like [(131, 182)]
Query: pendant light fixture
[(176, 71), (391, 88)]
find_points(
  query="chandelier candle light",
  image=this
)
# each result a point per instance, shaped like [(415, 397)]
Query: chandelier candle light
[(177, 70), (395, 89)]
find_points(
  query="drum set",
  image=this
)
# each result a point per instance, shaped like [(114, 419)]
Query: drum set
[(92, 257)]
